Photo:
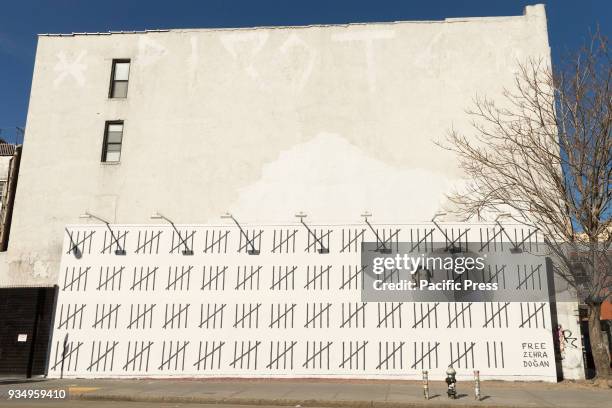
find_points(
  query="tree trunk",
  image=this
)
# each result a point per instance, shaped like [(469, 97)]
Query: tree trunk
[(599, 346)]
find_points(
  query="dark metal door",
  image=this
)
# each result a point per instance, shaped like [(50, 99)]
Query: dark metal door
[(26, 316)]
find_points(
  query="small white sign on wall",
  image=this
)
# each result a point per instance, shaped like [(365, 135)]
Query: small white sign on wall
[(22, 338)]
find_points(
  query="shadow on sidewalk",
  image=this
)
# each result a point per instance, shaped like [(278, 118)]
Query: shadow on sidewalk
[(9, 381)]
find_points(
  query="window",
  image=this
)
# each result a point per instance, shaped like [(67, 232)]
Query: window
[(119, 78), (113, 135)]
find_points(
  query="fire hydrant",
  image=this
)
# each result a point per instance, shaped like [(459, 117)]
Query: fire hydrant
[(451, 381)]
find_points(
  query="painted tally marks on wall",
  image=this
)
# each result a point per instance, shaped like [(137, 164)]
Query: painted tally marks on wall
[(289, 311)]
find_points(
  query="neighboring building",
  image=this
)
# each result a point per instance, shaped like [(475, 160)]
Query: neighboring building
[(6, 154), (262, 122), (10, 156)]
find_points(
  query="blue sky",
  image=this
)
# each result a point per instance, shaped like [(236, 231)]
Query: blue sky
[(20, 20)]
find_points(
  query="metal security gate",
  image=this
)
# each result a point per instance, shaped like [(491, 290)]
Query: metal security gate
[(26, 316)]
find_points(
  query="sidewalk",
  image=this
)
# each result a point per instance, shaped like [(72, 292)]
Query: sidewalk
[(325, 393)]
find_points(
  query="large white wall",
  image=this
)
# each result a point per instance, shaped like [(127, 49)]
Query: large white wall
[(264, 122), (290, 311)]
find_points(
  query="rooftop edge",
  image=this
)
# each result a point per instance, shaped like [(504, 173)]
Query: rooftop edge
[(536, 10)]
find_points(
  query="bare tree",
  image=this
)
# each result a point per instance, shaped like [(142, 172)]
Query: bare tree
[(543, 152)]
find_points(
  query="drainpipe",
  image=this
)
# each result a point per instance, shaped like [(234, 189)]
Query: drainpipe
[(10, 199)]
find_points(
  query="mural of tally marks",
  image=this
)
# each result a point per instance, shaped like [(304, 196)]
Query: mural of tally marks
[(278, 301)]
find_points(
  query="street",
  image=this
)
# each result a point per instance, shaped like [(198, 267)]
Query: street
[(109, 404)]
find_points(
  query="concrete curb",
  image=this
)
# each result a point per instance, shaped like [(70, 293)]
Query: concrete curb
[(437, 402)]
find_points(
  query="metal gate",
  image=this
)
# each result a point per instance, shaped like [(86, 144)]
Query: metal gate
[(26, 316)]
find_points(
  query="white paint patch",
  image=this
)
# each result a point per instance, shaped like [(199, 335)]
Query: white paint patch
[(368, 37), (41, 269), (232, 41), (429, 59), (74, 69), (192, 63), (295, 42), (334, 180), (194, 56), (569, 336), (244, 47), (38, 266), (149, 51)]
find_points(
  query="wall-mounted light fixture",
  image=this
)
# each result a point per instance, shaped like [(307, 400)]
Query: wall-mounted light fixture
[(120, 250), (438, 214), (322, 249), (450, 244), (251, 251), (515, 248), (380, 244), (187, 250)]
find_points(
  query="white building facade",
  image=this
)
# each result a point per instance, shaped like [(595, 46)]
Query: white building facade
[(263, 123)]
